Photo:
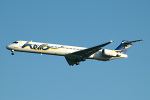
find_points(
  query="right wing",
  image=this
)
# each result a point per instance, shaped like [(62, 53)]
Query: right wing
[(76, 57)]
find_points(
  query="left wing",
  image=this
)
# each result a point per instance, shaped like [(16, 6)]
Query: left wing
[(76, 57)]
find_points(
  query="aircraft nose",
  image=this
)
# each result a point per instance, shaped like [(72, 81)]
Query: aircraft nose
[(9, 47)]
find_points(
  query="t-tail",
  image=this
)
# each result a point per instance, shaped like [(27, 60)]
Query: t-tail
[(125, 45)]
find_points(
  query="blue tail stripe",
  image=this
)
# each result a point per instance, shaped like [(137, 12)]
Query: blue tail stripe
[(123, 48)]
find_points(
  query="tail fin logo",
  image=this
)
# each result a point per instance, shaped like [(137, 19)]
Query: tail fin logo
[(128, 46), (123, 47)]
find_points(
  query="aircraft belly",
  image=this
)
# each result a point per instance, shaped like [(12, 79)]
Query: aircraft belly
[(60, 52)]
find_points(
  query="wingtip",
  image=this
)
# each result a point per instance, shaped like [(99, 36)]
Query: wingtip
[(142, 40), (111, 41)]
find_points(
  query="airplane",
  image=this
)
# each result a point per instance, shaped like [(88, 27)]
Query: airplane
[(73, 54)]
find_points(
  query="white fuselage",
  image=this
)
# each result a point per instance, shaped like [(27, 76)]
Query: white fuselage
[(55, 49)]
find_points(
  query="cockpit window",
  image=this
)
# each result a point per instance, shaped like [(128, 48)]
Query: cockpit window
[(15, 42)]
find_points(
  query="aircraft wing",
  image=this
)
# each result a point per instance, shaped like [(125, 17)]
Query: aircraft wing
[(76, 57)]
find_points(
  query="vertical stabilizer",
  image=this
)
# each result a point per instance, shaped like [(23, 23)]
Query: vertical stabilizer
[(125, 45)]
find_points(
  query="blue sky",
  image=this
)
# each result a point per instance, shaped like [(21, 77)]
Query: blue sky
[(86, 23)]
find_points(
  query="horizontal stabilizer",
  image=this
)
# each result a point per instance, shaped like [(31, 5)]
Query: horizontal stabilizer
[(129, 42)]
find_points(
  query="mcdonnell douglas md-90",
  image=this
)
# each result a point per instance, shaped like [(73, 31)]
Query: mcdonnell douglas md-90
[(73, 54)]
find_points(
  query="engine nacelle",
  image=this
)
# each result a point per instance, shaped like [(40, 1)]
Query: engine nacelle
[(109, 53)]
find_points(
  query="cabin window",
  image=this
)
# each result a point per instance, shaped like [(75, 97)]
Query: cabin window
[(15, 42)]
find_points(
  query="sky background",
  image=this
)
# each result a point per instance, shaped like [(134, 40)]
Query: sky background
[(85, 23)]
